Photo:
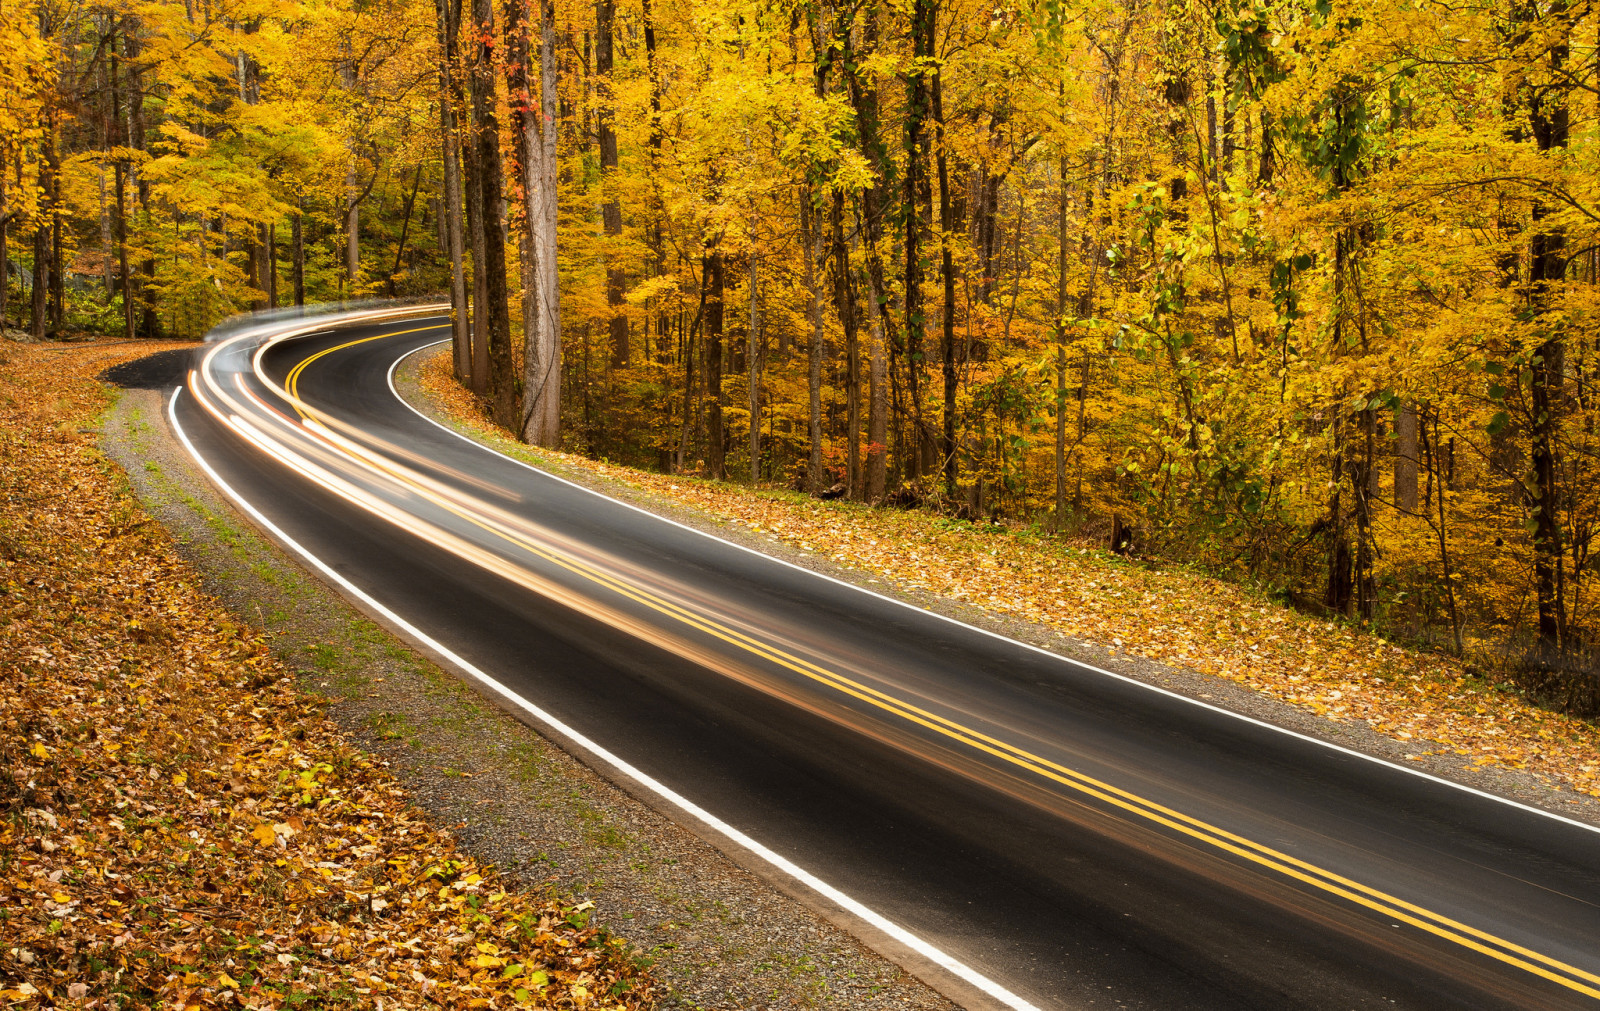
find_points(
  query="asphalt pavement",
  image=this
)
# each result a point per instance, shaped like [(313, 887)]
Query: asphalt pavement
[(1018, 829)]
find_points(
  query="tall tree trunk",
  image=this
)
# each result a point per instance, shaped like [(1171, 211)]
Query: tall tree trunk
[(1546, 270), (947, 273), (450, 153), (495, 311), (873, 199), (844, 302), (915, 225), (541, 421), (811, 245), (716, 447), (754, 355), (611, 210), (1061, 342), (148, 323)]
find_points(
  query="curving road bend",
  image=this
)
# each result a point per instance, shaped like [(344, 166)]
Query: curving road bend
[(1020, 830)]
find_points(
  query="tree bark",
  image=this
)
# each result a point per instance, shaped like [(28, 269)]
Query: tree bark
[(450, 153), (1405, 457), (494, 311), (754, 361), (716, 446), (541, 417), (811, 244), (914, 224), (611, 210), (947, 273), (297, 238)]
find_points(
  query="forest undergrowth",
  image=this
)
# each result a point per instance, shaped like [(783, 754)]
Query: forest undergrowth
[(1434, 703), (179, 826)]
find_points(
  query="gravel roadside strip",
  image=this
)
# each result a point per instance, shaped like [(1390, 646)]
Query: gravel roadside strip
[(1523, 787), (717, 935)]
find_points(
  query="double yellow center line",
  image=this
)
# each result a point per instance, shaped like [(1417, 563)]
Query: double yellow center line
[(1329, 882)]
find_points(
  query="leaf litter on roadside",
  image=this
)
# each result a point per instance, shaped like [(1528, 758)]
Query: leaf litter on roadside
[(178, 825)]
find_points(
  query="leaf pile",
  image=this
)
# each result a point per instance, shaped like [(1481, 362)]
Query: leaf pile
[(179, 827), (1431, 702)]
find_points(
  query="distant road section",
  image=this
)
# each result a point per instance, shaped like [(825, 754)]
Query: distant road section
[(1017, 829)]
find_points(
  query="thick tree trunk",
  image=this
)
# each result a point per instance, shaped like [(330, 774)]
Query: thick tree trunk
[(494, 311), (541, 420)]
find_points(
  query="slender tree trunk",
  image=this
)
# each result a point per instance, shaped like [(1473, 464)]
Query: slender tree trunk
[(405, 230), (272, 266), (1061, 342), (450, 153), (716, 447), (352, 231), (297, 239), (611, 210), (947, 272), (915, 226), (872, 201), (754, 355), (1547, 268), (811, 244), (844, 301)]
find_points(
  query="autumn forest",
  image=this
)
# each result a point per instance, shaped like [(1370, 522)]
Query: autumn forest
[(1305, 293)]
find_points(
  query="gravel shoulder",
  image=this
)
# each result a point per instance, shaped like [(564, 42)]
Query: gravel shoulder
[(716, 934)]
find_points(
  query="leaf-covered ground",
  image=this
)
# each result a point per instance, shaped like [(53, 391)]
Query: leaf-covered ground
[(178, 826), (1430, 702)]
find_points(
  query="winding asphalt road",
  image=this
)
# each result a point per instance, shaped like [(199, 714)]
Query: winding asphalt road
[(1021, 830)]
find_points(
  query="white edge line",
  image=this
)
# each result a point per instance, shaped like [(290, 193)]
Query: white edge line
[(781, 863), (984, 631)]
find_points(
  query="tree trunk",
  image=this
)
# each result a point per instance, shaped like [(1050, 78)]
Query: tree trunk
[(494, 311), (450, 154), (916, 181), (611, 210), (811, 250), (1405, 457), (297, 241), (716, 448), (1546, 269), (1061, 342), (405, 230), (754, 355), (947, 272), (844, 303), (872, 201), (541, 420)]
